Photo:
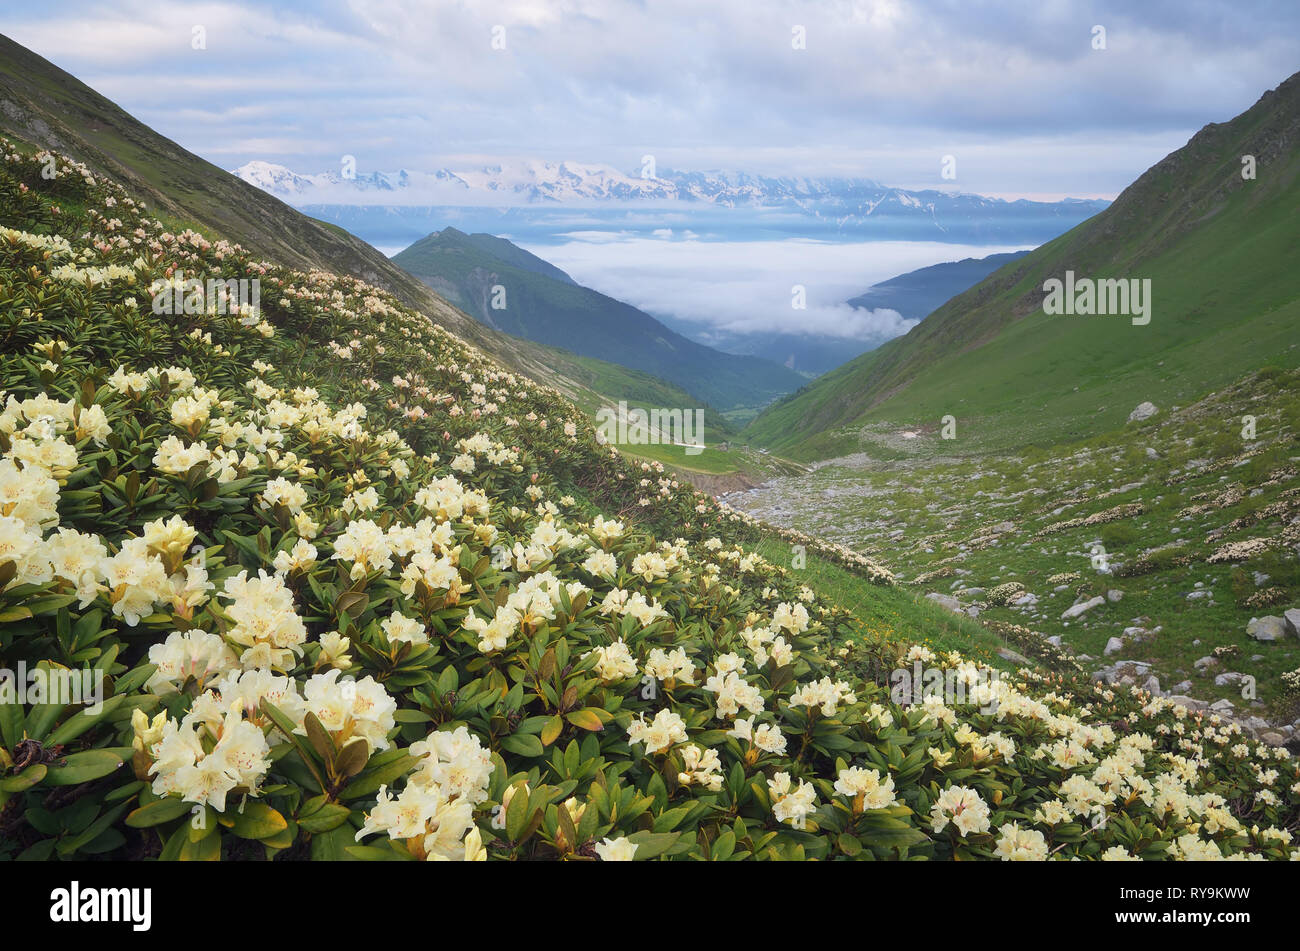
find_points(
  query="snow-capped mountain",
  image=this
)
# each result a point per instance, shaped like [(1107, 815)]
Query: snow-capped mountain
[(532, 182)]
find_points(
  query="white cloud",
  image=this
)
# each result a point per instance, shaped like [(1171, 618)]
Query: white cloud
[(883, 89), (745, 286)]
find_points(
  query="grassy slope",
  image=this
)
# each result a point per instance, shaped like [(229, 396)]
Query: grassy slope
[(1218, 250), (944, 523)]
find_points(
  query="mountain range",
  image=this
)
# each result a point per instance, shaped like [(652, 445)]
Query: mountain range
[(538, 199), (530, 181)]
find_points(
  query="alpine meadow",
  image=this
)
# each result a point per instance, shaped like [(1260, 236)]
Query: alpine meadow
[(598, 462)]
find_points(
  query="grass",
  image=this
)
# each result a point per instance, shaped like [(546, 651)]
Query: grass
[(988, 518), (892, 613)]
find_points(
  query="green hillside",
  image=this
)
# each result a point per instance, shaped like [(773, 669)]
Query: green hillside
[(1220, 252), (543, 304)]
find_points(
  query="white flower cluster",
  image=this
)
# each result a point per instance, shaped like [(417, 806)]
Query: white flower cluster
[(434, 813)]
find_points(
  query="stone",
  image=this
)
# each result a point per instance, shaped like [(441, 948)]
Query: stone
[(1267, 628), (1182, 686), (1113, 646), (1205, 663), (1255, 725), (1114, 594), (944, 601), (1291, 618), (1228, 679), (1144, 410), (1006, 653), (1272, 738), (1078, 609), (1222, 706), (1152, 684)]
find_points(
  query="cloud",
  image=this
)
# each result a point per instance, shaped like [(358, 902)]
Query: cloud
[(744, 287), (883, 89)]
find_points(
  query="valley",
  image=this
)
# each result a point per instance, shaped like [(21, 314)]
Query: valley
[(1144, 552)]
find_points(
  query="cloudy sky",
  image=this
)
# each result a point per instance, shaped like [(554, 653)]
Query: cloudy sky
[(883, 88)]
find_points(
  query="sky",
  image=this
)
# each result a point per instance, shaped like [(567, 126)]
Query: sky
[(1017, 93)]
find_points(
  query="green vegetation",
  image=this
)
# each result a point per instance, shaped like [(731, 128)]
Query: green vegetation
[(1168, 520)]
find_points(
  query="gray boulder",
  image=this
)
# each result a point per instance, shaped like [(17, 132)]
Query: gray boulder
[(1078, 609), (1144, 410), (1267, 628), (945, 601), (1291, 618)]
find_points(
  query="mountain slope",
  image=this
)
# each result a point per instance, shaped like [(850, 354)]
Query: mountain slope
[(539, 306), (46, 106), (1220, 252), (923, 291)]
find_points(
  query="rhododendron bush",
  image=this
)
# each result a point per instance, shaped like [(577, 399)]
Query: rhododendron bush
[(354, 591)]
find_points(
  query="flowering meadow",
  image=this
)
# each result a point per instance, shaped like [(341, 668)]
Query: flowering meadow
[(355, 591)]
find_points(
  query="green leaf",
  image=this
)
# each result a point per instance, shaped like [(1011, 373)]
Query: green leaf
[(652, 844), (319, 738), (83, 720), (206, 849), (523, 744), (329, 816), (352, 759), (257, 820), (83, 767), (333, 846), (25, 780), (382, 771), (551, 730), (158, 812)]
